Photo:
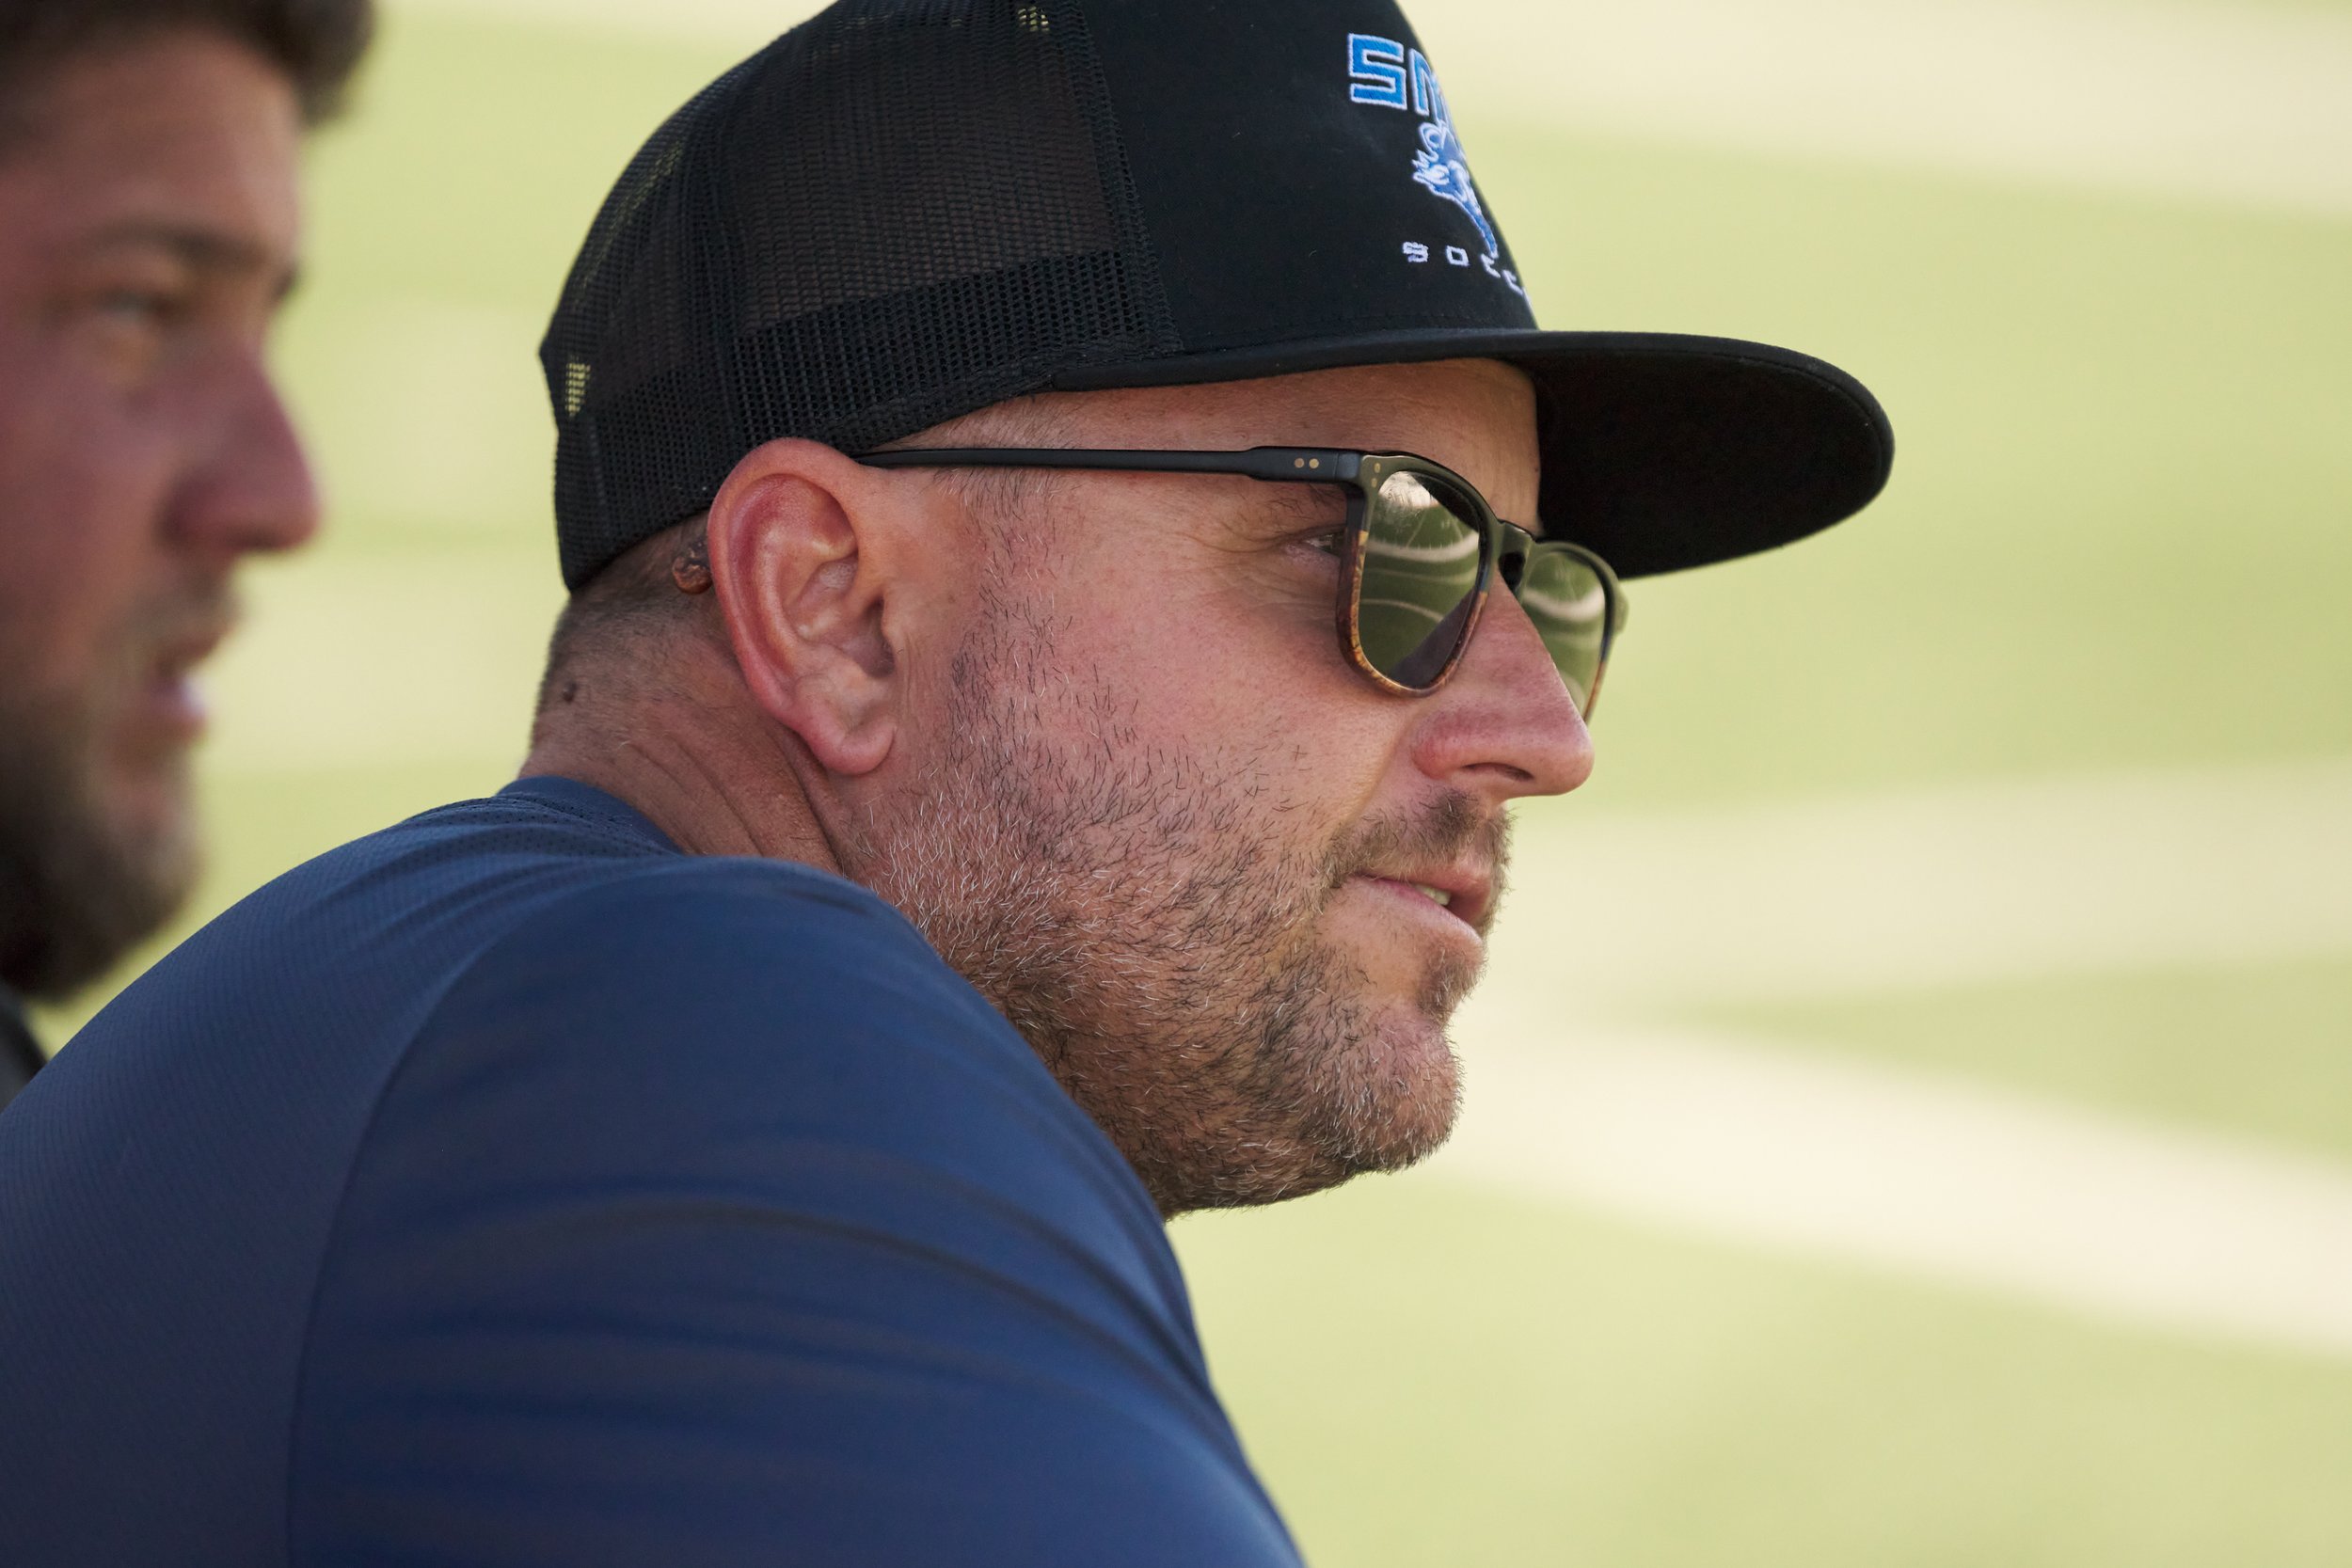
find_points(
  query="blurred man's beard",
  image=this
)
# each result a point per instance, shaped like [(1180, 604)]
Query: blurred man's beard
[(1146, 924), (77, 891)]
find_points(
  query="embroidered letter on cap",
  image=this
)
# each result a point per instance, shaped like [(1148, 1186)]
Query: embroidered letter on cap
[(1376, 70)]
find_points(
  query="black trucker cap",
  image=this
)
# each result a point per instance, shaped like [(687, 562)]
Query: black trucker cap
[(906, 209)]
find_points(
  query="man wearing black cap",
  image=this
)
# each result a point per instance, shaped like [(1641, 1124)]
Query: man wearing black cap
[(1075, 539)]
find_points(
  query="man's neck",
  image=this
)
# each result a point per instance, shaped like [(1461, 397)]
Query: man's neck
[(715, 780)]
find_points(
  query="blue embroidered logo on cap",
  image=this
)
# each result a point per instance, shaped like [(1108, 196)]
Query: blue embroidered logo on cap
[(1385, 73)]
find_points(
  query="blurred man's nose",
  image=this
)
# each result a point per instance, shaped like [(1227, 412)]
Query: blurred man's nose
[(253, 489), (1504, 725)]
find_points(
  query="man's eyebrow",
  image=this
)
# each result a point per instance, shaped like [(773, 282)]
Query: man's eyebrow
[(201, 250)]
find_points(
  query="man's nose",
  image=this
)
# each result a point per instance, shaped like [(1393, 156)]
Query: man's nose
[(252, 488), (1504, 725)]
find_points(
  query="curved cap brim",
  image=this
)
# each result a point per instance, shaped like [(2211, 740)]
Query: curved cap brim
[(1660, 451)]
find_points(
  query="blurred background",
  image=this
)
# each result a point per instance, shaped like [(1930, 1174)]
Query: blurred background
[(1910, 1114)]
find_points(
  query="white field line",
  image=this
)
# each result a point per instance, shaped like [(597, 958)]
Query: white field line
[(2235, 102), (1615, 917), (2239, 102), (1629, 911), (2090, 1214)]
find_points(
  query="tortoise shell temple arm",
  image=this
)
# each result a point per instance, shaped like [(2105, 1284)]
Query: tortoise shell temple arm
[(1299, 464)]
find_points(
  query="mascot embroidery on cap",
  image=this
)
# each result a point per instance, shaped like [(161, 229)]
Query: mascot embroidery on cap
[(1384, 73), (1440, 165)]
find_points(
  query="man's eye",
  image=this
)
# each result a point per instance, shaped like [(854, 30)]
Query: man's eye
[(1327, 541), (137, 306)]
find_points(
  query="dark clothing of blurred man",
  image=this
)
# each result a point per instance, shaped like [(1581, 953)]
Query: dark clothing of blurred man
[(147, 231), (19, 1053)]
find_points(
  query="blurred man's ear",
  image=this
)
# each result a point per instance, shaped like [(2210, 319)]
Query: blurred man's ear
[(790, 552)]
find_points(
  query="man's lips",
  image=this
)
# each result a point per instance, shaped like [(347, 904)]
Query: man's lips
[(1465, 895), (175, 704), (170, 698)]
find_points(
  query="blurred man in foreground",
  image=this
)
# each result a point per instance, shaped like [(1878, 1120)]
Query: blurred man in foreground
[(148, 234), (1075, 542)]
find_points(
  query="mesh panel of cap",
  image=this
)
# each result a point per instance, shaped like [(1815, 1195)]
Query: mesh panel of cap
[(901, 212)]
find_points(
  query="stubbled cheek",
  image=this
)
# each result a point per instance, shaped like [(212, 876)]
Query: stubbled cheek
[(76, 590)]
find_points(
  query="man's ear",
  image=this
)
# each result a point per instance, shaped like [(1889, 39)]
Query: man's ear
[(792, 535)]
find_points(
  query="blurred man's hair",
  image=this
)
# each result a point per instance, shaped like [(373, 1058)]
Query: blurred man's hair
[(316, 43)]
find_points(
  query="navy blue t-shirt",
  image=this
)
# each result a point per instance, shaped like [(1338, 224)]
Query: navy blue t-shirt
[(509, 1188)]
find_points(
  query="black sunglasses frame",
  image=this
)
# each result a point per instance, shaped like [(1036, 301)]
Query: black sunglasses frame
[(1504, 548)]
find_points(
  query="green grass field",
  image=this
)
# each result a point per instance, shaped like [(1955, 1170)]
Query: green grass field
[(2117, 538)]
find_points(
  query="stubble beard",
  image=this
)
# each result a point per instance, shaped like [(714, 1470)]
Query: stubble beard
[(1145, 922), (77, 890)]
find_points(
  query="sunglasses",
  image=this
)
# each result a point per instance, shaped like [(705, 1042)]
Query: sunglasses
[(1419, 552)]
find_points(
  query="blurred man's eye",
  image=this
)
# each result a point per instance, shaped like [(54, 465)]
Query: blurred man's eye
[(127, 322), (140, 306), (137, 288)]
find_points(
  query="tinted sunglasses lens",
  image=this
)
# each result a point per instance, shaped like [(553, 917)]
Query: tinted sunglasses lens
[(1568, 601), (1421, 553)]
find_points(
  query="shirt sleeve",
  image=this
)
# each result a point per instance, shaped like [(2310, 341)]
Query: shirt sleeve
[(712, 1219)]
